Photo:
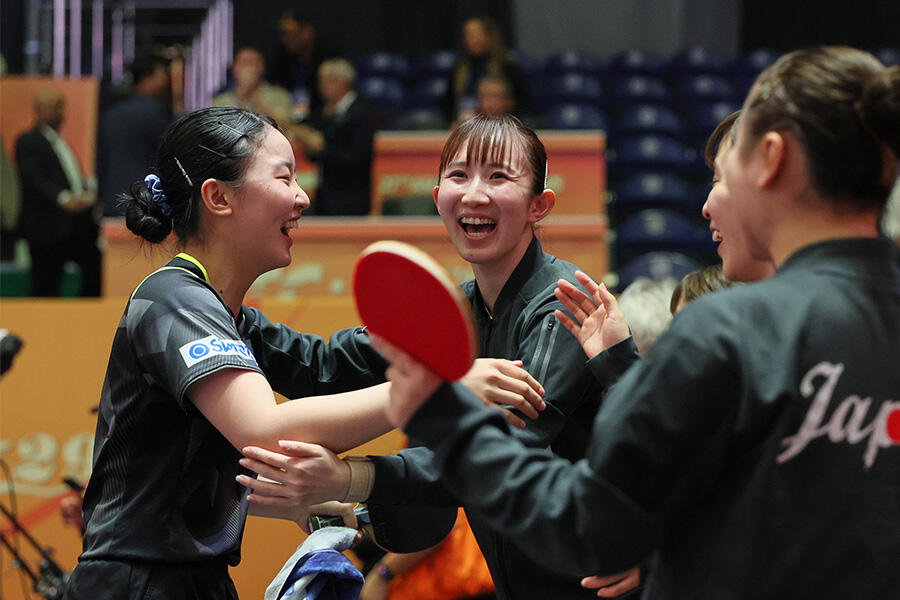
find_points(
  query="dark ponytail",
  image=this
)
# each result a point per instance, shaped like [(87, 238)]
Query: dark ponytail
[(879, 108)]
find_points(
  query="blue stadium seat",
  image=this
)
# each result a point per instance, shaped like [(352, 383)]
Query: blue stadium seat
[(656, 229), (631, 62), (747, 66), (654, 189), (703, 118), (573, 61), (650, 151), (575, 116), (753, 62), (696, 60), (691, 89), (387, 94), (742, 86), (657, 266), (628, 89), (530, 65), (648, 118), (890, 57), (384, 64), (574, 88), (419, 119), (440, 62), (428, 92)]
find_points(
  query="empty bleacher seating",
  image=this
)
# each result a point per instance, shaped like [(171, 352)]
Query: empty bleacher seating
[(575, 116), (384, 64), (652, 189), (658, 266)]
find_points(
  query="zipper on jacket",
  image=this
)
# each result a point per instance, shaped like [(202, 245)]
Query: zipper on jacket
[(544, 349)]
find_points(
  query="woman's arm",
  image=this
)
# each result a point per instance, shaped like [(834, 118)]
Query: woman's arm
[(241, 405), (301, 473), (299, 365)]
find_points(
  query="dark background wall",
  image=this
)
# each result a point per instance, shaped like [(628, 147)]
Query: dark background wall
[(785, 25), (411, 27), (605, 27), (12, 19), (537, 27), (540, 27)]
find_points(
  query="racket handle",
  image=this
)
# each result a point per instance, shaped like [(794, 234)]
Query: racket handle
[(362, 516)]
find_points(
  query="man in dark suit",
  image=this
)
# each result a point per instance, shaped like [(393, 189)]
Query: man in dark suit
[(130, 131), (341, 143), (57, 218), (295, 65)]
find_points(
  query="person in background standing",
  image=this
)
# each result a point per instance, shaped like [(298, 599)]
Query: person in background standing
[(339, 139), (10, 198), (10, 206), (130, 131), (295, 65), (58, 217)]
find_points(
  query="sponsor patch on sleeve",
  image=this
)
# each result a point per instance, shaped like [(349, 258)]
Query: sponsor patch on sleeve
[(211, 346)]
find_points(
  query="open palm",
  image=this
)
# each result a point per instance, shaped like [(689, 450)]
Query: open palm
[(595, 321)]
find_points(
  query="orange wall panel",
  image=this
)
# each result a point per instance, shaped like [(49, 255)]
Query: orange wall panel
[(46, 426)]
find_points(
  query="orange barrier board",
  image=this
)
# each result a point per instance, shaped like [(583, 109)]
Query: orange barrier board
[(325, 250), (405, 164)]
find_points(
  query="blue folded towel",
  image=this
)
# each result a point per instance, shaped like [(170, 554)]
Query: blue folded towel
[(318, 570)]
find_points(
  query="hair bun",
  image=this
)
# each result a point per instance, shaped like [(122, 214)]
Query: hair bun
[(143, 216), (879, 107)]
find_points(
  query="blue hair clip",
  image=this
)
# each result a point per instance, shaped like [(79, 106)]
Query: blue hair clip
[(159, 196)]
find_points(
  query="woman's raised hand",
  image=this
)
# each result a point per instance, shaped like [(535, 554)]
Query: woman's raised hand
[(596, 321)]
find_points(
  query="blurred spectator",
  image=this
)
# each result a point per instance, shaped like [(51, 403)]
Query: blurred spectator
[(495, 98), (295, 65), (130, 131), (697, 283), (10, 206), (339, 138), (483, 54), (890, 223), (58, 219), (251, 90), (645, 304), (10, 198)]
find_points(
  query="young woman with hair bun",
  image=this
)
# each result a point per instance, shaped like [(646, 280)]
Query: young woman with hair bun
[(192, 370)]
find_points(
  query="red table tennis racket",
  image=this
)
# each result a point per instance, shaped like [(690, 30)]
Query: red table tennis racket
[(406, 297)]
